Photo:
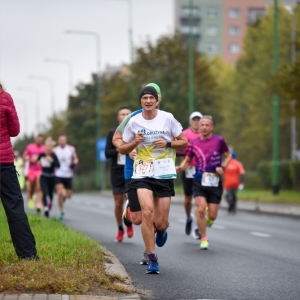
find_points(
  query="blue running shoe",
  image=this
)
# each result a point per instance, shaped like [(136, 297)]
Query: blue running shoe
[(161, 237), (153, 267)]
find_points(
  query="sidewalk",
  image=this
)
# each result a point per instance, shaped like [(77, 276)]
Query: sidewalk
[(118, 268), (256, 207)]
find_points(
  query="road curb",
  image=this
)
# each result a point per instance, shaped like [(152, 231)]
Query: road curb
[(116, 267)]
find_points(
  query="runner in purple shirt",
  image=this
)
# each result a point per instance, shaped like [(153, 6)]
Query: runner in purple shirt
[(208, 151)]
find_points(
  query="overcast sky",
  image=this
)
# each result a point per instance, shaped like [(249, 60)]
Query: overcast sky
[(32, 30)]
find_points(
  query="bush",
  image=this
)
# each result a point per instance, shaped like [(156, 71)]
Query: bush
[(295, 175), (289, 174), (252, 180), (87, 181)]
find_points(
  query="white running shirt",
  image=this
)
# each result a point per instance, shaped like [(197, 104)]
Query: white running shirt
[(151, 161), (65, 156)]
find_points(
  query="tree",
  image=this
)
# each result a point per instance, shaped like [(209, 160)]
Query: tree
[(166, 63), (248, 114)]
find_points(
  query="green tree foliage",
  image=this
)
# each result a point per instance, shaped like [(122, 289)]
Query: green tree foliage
[(166, 63), (247, 112)]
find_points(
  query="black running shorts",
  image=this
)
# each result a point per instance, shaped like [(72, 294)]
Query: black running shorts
[(212, 194), (134, 203), (187, 184), (66, 182), (160, 187)]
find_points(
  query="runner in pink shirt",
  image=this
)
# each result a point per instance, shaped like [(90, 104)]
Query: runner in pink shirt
[(31, 154), (187, 177)]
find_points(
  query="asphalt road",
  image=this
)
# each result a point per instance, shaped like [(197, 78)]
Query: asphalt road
[(251, 256)]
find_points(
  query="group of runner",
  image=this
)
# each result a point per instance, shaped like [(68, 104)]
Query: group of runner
[(150, 139), (47, 168)]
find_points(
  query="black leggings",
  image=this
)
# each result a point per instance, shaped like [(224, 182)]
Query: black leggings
[(47, 186), (13, 203)]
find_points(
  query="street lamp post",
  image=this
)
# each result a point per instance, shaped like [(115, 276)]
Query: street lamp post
[(130, 34), (191, 57), (98, 98), (50, 80), (68, 64), (37, 110), (293, 101), (275, 146)]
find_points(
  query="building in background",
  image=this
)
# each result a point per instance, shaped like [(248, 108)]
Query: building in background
[(219, 26)]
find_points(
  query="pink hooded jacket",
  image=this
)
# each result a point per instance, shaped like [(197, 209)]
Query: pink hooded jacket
[(9, 126)]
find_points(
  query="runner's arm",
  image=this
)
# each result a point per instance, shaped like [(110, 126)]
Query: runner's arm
[(184, 164), (117, 139), (179, 143), (224, 164)]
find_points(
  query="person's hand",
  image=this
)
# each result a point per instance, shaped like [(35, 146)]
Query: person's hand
[(241, 186), (219, 170), (178, 169), (139, 137), (49, 158), (160, 143), (132, 154)]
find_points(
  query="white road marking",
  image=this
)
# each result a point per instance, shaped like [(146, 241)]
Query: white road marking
[(260, 234), (216, 226)]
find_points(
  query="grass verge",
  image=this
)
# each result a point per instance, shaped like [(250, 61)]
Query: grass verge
[(70, 262), (263, 196)]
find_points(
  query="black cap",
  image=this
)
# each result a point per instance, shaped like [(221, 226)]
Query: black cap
[(148, 90)]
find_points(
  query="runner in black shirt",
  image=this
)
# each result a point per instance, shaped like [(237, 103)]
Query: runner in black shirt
[(49, 163)]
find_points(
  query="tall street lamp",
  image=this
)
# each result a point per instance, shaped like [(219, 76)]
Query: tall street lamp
[(98, 98), (130, 34), (293, 101), (51, 82), (275, 146), (70, 68), (37, 110), (191, 57)]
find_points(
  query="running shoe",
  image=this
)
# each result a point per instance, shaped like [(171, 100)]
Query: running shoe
[(120, 236), (46, 213), (196, 234), (188, 225), (50, 205), (204, 244), (61, 216), (38, 207), (209, 221), (130, 231), (31, 204), (153, 267), (144, 260), (126, 214), (161, 237)]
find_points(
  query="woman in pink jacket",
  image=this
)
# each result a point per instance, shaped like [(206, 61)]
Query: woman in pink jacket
[(10, 192)]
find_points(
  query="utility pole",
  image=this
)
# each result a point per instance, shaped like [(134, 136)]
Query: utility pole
[(275, 146), (191, 57)]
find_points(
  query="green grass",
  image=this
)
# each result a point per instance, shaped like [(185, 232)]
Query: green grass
[(70, 262), (263, 196), (266, 196)]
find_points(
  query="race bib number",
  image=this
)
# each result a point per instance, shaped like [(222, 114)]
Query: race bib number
[(164, 166), (143, 168), (210, 179), (121, 159), (190, 172)]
